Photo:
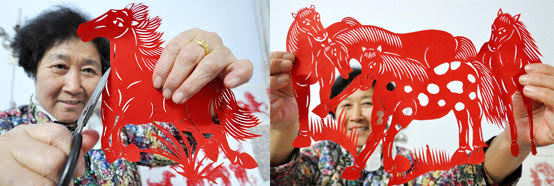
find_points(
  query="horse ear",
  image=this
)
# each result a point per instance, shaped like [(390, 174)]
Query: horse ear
[(312, 7), (516, 17), (293, 15), (500, 12), (379, 49)]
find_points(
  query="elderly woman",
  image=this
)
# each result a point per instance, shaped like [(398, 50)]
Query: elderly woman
[(65, 71), (323, 162)]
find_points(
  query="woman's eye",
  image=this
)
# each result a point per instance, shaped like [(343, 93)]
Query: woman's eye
[(368, 103), (89, 70), (59, 67), (346, 105)]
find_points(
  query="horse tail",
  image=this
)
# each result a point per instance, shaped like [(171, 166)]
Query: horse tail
[(491, 104), (465, 50), (236, 119)]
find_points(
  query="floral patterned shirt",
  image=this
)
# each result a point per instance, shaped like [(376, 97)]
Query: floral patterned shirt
[(98, 171), (323, 163)]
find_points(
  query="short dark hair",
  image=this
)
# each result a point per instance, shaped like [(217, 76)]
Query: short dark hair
[(48, 29)]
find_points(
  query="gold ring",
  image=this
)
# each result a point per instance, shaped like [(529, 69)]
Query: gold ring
[(204, 45)]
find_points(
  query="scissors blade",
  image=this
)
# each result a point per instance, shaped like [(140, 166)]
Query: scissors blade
[(92, 101)]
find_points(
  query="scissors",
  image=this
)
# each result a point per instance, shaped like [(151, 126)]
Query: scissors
[(71, 163)]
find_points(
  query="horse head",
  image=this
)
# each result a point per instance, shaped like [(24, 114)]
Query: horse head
[(502, 30), (113, 24), (308, 22)]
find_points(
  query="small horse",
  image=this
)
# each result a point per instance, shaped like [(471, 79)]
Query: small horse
[(307, 39), (509, 49), (130, 98), (406, 89)]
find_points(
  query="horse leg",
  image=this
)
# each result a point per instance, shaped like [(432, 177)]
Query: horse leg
[(377, 133), (326, 82), (460, 156), (477, 155), (528, 105), (513, 128), (302, 94), (400, 120)]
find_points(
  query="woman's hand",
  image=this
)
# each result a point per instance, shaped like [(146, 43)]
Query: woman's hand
[(36, 154), (538, 86), (185, 67), (284, 110)]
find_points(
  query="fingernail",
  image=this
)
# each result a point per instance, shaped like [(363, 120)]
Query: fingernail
[(167, 93), (283, 78), (524, 79), (158, 82), (288, 56), (233, 82), (529, 88), (277, 104), (529, 68), (286, 65), (178, 97)]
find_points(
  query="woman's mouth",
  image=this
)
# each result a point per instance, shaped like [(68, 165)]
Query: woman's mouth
[(358, 129), (70, 103)]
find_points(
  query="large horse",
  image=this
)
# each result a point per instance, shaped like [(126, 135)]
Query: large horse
[(130, 98), (307, 40), (509, 49), (408, 90)]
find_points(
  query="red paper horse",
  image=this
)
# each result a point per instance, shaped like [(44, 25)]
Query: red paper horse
[(130, 98)]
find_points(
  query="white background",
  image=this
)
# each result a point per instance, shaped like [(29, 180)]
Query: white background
[(234, 21), (472, 19)]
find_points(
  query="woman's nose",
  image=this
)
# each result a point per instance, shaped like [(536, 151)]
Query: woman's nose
[(72, 84), (356, 113)]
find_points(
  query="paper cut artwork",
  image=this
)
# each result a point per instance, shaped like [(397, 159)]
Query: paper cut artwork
[(130, 98), (546, 171), (419, 75)]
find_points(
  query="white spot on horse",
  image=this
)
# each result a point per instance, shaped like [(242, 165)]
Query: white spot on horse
[(455, 87), (442, 68), (459, 106), (432, 88), (454, 65), (408, 89), (471, 78), (442, 102), (407, 111), (423, 99), (472, 95)]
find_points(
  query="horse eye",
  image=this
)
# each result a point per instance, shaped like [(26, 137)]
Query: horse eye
[(391, 86)]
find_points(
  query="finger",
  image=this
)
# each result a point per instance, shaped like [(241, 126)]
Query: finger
[(540, 68), (279, 81), (184, 64), (540, 94), (280, 66), (237, 73), (48, 164), (538, 80), (276, 106), (90, 138), (206, 71), (281, 55), (52, 134), (169, 54)]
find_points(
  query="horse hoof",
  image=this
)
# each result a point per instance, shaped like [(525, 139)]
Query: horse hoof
[(132, 153), (477, 156), (302, 141), (351, 173), (459, 157), (533, 148), (321, 111), (515, 149), (402, 163)]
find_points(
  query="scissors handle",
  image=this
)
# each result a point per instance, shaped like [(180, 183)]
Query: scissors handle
[(71, 163)]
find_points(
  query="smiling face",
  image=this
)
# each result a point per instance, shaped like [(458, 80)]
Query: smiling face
[(66, 76), (356, 110)]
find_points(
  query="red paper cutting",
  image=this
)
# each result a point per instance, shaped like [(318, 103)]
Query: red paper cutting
[(420, 75), (130, 98), (546, 170)]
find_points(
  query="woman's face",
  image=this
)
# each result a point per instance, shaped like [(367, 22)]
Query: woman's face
[(66, 76), (357, 116)]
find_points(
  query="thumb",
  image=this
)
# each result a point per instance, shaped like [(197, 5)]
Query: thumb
[(90, 137)]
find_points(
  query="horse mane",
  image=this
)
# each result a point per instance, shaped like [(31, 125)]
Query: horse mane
[(148, 40), (292, 38), (369, 33), (530, 47), (402, 67)]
